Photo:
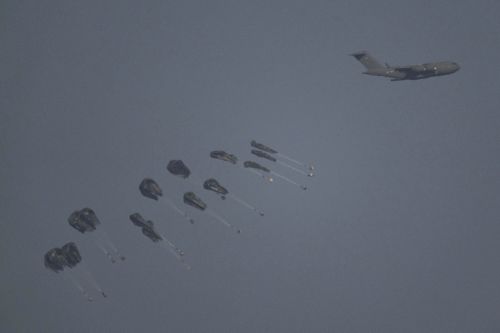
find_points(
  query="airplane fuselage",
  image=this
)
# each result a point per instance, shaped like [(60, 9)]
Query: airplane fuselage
[(411, 72)]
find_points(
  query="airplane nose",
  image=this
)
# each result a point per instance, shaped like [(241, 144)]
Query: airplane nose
[(456, 67)]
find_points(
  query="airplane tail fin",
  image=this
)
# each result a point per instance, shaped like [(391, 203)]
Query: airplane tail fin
[(367, 60)]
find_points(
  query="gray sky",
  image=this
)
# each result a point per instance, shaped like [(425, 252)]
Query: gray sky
[(398, 233)]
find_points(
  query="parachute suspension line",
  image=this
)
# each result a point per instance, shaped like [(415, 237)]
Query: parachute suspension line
[(269, 179), (222, 220), (104, 250), (91, 279), (179, 211), (172, 248), (245, 204), (262, 175), (310, 174), (108, 255), (177, 250), (289, 180), (67, 275), (111, 245), (288, 158), (106, 238)]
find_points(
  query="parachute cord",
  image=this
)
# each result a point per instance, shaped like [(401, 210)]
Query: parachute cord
[(245, 204), (104, 250), (289, 180), (292, 160), (310, 174), (91, 279), (176, 252), (222, 220), (67, 274), (179, 211), (269, 179), (107, 239)]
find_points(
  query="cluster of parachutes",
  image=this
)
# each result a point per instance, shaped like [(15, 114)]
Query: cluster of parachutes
[(149, 188), (65, 259)]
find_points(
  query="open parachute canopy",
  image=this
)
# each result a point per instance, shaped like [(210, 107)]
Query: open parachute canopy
[(68, 256), (255, 165), (73, 256), (140, 221), (178, 168), (57, 259), (149, 188), (84, 220), (151, 234), (192, 200), (263, 147), (213, 185), (263, 154), (223, 156), (147, 227)]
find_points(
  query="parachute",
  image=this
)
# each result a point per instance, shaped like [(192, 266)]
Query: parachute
[(151, 234), (263, 147), (269, 150), (146, 226), (139, 221), (192, 200), (72, 254), (86, 220), (55, 260), (223, 156), (255, 165), (178, 168), (262, 154), (148, 230), (68, 256), (286, 165), (213, 185), (149, 188)]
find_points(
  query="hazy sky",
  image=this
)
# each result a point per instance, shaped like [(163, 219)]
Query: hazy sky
[(398, 232)]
